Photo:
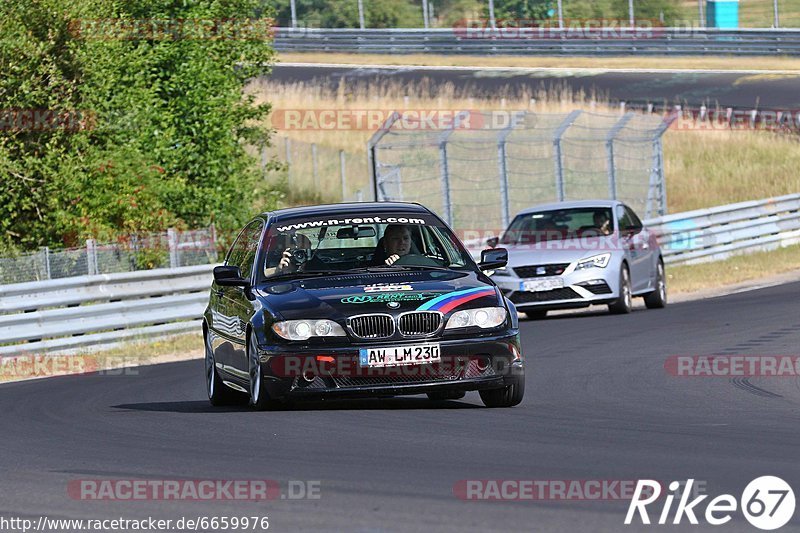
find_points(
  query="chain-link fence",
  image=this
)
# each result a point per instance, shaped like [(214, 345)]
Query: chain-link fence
[(321, 173), (486, 166), (169, 249)]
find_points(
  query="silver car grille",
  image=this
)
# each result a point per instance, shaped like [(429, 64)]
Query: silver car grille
[(419, 322), (377, 326)]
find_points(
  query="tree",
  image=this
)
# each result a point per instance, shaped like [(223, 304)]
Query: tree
[(344, 13), (164, 119)]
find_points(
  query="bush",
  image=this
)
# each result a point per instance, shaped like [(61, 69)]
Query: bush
[(161, 128)]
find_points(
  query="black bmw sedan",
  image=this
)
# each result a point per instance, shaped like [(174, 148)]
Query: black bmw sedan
[(355, 300)]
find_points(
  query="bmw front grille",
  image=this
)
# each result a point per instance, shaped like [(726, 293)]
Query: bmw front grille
[(375, 326), (419, 323)]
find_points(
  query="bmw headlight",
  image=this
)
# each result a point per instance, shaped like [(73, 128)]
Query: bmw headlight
[(482, 317), (300, 330), (599, 261)]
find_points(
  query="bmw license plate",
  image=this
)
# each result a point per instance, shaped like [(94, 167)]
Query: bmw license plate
[(542, 284), (398, 356)]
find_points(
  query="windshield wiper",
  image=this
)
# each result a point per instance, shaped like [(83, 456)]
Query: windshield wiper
[(309, 274), (396, 268)]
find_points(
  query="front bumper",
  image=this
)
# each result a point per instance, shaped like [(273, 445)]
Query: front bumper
[(582, 288), (467, 364)]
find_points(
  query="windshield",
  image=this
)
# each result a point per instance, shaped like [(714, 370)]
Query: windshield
[(560, 224), (325, 246)]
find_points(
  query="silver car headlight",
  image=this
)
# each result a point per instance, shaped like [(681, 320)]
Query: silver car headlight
[(482, 317), (300, 330), (598, 261)]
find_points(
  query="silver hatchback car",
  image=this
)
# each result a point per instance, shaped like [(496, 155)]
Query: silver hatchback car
[(569, 255)]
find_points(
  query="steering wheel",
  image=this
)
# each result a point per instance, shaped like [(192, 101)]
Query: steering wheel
[(416, 260)]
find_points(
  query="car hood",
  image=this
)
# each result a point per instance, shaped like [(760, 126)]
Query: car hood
[(338, 297), (566, 251)]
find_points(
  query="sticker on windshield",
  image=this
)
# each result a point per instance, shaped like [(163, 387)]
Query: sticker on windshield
[(346, 221)]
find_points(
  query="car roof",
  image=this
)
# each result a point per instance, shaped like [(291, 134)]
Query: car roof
[(569, 205), (352, 208)]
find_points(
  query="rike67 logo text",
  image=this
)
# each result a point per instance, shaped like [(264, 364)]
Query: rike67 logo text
[(767, 503)]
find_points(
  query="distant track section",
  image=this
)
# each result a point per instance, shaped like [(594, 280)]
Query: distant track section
[(737, 89)]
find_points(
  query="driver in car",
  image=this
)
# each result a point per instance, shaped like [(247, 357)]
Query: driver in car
[(396, 243), (602, 222), (294, 257)]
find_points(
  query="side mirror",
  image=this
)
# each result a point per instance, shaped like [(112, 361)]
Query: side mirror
[(229, 276), (493, 259), (630, 231), (491, 242)]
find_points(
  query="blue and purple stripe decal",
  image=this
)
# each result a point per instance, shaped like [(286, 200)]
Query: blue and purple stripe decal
[(447, 302)]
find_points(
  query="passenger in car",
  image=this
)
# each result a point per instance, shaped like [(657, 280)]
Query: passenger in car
[(296, 253)]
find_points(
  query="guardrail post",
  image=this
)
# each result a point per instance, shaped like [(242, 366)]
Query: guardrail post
[(558, 156), (46, 261), (172, 242), (657, 189), (372, 155), (343, 174), (314, 165), (444, 170), (288, 148), (444, 173), (612, 169), (212, 231), (91, 257), (502, 160)]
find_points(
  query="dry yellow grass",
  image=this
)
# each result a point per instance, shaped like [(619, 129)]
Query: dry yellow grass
[(655, 62)]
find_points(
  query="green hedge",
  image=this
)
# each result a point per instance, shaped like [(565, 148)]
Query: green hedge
[(156, 122)]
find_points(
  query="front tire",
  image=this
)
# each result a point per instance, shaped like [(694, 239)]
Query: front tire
[(506, 397), (658, 298), (259, 399), (624, 304), (219, 394)]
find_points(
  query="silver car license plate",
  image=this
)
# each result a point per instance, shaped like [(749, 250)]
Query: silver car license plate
[(542, 284)]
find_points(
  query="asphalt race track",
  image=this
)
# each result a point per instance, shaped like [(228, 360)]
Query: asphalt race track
[(740, 90), (599, 405)]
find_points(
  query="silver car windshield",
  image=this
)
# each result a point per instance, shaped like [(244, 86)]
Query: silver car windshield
[(561, 224)]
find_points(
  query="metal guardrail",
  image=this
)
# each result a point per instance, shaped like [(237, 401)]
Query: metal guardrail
[(720, 232), (84, 311), (89, 311), (529, 41)]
